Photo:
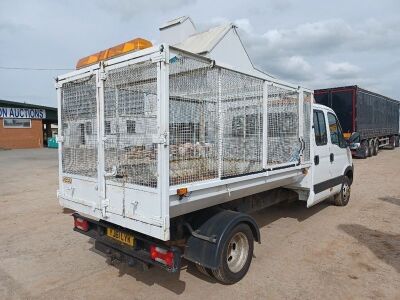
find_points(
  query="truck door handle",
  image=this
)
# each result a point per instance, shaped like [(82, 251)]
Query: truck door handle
[(316, 160), (332, 157)]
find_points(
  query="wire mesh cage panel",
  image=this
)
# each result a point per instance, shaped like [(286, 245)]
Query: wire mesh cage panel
[(307, 103), (241, 103), (79, 127), (193, 120), (130, 124), (283, 145)]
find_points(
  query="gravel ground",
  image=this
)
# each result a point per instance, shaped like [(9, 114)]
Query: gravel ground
[(322, 252)]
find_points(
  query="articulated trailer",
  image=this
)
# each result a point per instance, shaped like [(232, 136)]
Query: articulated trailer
[(163, 153), (369, 120)]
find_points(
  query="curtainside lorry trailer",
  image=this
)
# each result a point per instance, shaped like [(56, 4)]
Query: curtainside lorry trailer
[(164, 152), (369, 120)]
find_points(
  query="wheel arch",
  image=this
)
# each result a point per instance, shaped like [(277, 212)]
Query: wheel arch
[(218, 225), (349, 172)]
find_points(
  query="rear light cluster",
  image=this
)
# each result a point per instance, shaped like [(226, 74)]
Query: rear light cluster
[(162, 255), (81, 224)]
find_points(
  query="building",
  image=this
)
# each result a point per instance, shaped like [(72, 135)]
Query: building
[(221, 43), (25, 125)]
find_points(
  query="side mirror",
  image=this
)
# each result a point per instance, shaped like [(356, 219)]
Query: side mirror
[(354, 138)]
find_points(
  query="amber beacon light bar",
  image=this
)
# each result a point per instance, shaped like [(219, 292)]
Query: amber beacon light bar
[(130, 46)]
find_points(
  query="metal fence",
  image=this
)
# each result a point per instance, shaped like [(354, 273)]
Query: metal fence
[(241, 114), (307, 106), (216, 122), (130, 124), (193, 120), (79, 127), (216, 119), (283, 144)]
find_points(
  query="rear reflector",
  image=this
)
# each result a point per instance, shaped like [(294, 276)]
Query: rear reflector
[(81, 224), (162, 255)]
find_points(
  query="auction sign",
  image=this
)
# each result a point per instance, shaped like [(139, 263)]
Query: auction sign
[(22, 113)]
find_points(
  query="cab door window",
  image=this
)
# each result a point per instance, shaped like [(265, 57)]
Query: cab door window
[(320, 128), (336, 131)]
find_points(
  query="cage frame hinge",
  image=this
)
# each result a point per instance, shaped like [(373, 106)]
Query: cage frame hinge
[(102, 75), (57, 84), (104, 204), (162, 139), (159, 58)]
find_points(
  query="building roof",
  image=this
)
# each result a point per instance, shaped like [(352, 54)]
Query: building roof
[(204, 42), (25, 105), (175, 22)]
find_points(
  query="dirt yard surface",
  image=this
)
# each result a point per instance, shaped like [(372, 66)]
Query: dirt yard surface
[(324, 252)]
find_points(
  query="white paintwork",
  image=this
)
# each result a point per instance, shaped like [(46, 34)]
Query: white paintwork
[(321, 172), (327, 169), (205, 41)]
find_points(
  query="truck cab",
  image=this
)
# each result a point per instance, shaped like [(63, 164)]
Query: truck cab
[(332, 169)]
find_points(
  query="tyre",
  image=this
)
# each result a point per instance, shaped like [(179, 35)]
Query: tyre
[(343, 197), (236, 255), (376, 148), (203, 270), (370, 148), (364, 149), (397, 141), (392, 142)]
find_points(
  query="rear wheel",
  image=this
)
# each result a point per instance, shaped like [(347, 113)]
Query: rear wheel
[(392, 142), (370, 148), (237, 254), (364, 149), (376, 148), (397, 141), (205, 271), (343, 197)]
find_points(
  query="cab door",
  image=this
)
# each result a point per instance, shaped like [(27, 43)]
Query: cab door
[(338, 152), (321, 160)]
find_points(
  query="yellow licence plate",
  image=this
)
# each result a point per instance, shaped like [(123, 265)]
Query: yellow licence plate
[(121, 236)]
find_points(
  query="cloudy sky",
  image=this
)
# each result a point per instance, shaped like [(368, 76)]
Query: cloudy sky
[(313, 43)]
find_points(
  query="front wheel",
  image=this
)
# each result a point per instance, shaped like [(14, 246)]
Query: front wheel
[(236, 255), (342, 199)]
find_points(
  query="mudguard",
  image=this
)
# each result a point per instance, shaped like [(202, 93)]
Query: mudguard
[(215, 224)]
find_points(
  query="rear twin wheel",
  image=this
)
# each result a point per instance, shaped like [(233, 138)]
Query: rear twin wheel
[(364, 149), (237, 253), (370, 148), (397, 141), (376, 148)]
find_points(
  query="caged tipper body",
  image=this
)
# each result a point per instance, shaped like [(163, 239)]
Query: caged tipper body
[(163, 152)]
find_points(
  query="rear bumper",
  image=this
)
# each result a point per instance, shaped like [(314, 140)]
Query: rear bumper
[(137, 255)]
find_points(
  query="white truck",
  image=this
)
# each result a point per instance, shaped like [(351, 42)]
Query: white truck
[(164, 152)]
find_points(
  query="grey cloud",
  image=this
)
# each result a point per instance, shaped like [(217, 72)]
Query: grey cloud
[(322, 37), (11, 27), (343, 70), (127, 9)]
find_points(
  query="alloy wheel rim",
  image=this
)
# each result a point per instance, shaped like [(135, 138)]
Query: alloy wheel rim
[(237, 252), (346, 192)]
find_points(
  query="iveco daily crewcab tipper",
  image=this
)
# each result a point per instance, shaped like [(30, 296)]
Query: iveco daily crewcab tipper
[(164, 152)]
